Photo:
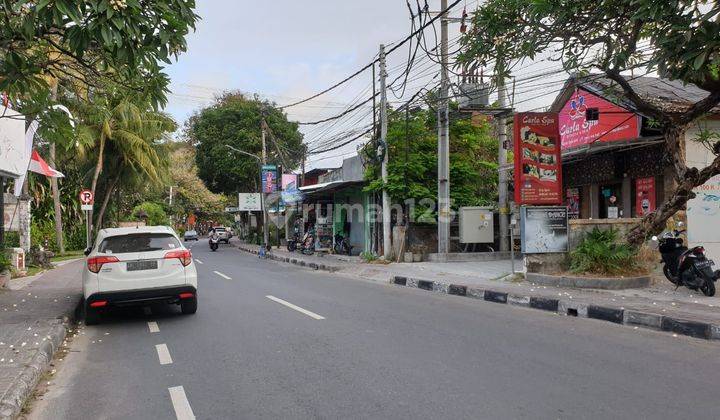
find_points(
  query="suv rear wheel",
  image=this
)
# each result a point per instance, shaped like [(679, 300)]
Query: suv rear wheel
[(189, 306)]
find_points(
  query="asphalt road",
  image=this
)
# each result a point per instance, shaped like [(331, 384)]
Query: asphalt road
[(273, 341)]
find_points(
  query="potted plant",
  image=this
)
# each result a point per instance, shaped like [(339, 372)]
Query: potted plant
[(5, 265)]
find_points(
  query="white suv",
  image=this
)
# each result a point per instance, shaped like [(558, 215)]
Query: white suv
[(137, 267)]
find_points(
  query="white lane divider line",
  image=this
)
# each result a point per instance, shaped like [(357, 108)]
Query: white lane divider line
[(295, 307), (198, 261), (163, 354), (180, 403), (153, 326), (222, 275)]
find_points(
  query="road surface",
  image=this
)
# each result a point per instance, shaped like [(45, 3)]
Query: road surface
[(275, 341)]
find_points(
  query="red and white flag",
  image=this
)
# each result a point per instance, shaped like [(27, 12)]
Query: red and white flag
[(39, 166)]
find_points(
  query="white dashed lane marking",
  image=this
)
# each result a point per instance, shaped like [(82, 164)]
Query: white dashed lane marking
[(222, 275), (295, 307), (198, 261), (163, 354), (180, 403), (153, 326)]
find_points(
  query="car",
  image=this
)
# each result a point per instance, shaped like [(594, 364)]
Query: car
[(190, 235), (223, 234), (138, 266)]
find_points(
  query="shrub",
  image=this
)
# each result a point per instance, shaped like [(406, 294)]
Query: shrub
[(5, 263), (12, 240), (153, 213), (601, 253), (368, 256)]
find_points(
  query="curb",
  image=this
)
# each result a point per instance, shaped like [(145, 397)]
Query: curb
[(589, 282), (24, 385), (299, 262), (568, 307)]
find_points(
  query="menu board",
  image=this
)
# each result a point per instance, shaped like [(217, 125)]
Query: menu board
[(538, 171)]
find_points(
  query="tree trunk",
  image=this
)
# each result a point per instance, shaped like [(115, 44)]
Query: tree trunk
[(96, 175), (688, 179), (56, 203), (108, 193)]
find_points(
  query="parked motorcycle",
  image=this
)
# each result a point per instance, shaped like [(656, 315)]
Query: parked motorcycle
[(214, 242), (293, 242), (342, 245), (308, 242), (686, 267)]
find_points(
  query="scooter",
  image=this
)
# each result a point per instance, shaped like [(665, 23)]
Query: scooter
[(308, 242), (293, 242), (342, 245), (214, 242), (686, 267)]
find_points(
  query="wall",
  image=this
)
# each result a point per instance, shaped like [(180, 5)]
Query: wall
[(703, 212)]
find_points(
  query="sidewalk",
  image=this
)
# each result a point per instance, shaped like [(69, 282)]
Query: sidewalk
[(34, 313), (659, 306)]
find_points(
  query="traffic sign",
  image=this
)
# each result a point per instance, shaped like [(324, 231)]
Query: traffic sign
[(86, 207), (86, 197)]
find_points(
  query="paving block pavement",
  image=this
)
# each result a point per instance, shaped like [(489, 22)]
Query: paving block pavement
[(34, 317)]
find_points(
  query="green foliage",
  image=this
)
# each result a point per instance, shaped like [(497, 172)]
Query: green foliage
[(600, 253), (368, 256), (235, 120), (604, 34), (12, 240), (412, 167), (92, 43), (152, 213), (5, 263)]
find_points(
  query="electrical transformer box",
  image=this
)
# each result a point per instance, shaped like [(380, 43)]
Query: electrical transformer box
[(476, 225)]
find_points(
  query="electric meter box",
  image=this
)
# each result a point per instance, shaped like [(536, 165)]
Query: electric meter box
[(476, 225)]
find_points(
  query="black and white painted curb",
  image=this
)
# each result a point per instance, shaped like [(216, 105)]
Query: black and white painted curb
[(572, 308), (296, 261), (24, 385)]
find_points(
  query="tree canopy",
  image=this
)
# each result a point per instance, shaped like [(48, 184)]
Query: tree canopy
[(91, 43), (678, 40), (412, 165), (235, 120)]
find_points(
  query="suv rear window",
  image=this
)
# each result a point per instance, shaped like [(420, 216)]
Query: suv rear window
[(138, 242)]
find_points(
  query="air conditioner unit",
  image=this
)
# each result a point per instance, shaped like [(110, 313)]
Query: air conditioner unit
[(474, 95)]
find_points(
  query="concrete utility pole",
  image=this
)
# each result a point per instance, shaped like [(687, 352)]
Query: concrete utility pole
[(443, 142), (266, 232), (503, 209), (387, 234), (59, 240)]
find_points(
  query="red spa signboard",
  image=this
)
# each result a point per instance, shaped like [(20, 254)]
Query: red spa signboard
[(538, 171), (614, 123)]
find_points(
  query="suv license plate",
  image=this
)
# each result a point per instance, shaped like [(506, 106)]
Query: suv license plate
[(142, 265), (705, 264)]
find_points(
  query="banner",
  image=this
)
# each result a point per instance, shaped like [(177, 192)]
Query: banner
[(269, 179), (613, 122), (644, 196), (572, 196), (538, 169), (288, 179), (544, 229), (249, 202)]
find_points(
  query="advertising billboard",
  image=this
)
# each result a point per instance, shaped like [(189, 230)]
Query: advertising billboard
[(538, 169), (269, 179), (544, 229), (612, 124), (249, 202)]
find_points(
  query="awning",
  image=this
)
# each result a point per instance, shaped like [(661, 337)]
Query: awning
[(328, 187)]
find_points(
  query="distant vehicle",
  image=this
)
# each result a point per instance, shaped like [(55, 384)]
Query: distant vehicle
[(190, 235), (223, 234), (137, 267)]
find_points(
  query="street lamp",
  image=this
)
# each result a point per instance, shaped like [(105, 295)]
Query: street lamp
[(266, 235)]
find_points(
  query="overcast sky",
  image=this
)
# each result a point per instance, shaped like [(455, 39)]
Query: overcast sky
[(286, 50)]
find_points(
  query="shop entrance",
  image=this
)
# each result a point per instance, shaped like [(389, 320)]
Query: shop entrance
[(610, 200)]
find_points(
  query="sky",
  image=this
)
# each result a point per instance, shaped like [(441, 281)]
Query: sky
[(287, 50)]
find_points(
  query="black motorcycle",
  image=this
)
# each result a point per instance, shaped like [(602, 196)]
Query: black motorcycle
[(214, 242), (293, 242), (342, 245), (686, 267)]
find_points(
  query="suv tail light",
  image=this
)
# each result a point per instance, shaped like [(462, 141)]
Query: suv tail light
[(183, 255), (699, 251), (94, 264)]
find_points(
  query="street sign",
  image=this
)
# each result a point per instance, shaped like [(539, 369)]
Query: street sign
[(86, 207), (231, 209), (86, 197), (544, 229)]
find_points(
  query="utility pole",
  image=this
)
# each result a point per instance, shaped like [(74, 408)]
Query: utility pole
[(54, 187), (266, 233), (503, 209), (387, 242), (443, 142)]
